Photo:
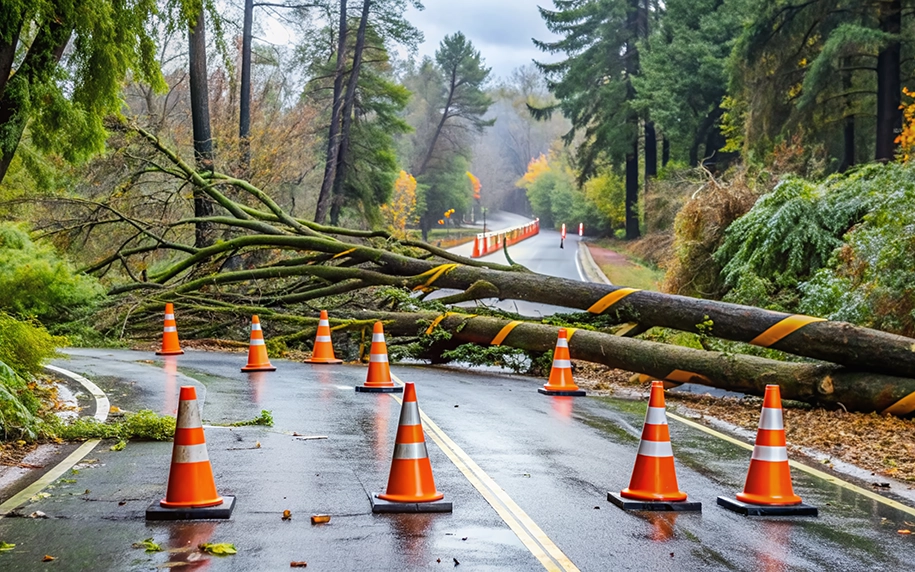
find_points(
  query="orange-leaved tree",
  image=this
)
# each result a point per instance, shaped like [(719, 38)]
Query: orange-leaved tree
[(906, 138), (401, 210)]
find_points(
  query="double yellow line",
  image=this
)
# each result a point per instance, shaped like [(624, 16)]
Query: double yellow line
[(531, 535)]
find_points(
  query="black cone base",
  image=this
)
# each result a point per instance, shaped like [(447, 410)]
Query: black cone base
[(632, 504), (222, 511), (369, 389), (381, 505), (576, 393), (767, 510)]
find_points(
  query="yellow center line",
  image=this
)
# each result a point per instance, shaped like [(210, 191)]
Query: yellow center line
[(801, 467), (531, 535)]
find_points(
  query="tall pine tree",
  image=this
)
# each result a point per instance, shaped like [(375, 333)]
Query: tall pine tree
[(594, 85)]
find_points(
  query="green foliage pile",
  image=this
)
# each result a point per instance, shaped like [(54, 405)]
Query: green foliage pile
[(18, 406), (35, 282), (144, 424)]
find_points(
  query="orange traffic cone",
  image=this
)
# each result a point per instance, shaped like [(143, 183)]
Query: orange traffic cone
[(257, 351), (170, 345), (378, 379), (191, 488), (653, 485), (323, 351), (768, 489), (476, 247), (561, 382), (411, 487)]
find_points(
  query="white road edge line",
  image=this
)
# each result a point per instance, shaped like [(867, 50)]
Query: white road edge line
[(102, 407)]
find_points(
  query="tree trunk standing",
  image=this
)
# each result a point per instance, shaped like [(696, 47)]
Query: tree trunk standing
[(632, 193), (349, 100), (333, 136), (43, 56), (651, 151), (441, 124), (665, 151), (200, 117), (848, 130), (889, 96), (244, 105)]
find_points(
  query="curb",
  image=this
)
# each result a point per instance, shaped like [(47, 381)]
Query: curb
[(102, 406), (592, 271)]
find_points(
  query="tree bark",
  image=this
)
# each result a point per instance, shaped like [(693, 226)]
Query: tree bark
[(665, 151), (349, 101), (889, 90), (820, 384), (244, 104), (333, 136), (632, 193), (200, 117), (651, 151), (43, 56)]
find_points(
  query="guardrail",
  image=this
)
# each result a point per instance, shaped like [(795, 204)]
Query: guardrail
[(489, 242)]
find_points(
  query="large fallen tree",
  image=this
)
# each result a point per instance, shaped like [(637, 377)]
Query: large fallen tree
[(272, 262)]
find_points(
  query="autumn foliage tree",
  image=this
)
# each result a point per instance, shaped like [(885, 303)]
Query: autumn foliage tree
[(401, 210)]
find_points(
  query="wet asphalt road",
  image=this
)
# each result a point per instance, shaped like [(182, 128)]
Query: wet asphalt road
[(555, 457)]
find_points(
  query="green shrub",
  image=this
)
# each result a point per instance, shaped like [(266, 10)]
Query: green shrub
[(37, 283), (25, 346), (870, 280), (143, 425), (18, 406)]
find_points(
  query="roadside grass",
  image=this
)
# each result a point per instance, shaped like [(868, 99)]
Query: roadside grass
[(632, 275)]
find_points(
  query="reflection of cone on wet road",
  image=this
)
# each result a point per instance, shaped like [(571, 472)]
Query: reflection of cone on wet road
[(378, 379), (561, 382), (191, 489), (768, 489), (654, 481), (170, 345), (411, 487), (324, 350), (257, 350)]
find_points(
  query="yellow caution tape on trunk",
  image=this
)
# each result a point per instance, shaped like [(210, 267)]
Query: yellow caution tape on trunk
[(344, 253), (784, 327), (610, 299), (503, 333), (434, 275), (902, 407)]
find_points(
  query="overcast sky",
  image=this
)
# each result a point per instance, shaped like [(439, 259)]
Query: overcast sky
[(500, 29)]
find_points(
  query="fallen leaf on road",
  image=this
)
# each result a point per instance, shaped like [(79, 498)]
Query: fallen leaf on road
[(287, 515), (320, 518), (299, 564), (39, 496), (148, 544), (38, 514), (904, 531), (6, 546), (257, 444), (219, 549), (30, 466), (48, 558), (119, 446)]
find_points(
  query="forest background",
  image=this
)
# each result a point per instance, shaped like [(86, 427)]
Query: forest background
[(758, 151)]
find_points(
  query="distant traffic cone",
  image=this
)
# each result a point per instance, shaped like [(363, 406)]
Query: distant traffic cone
[(378, 379), (323, 351), (170, 345), (257, 351), (561, 382), (476, 247), (653, 485), (191, 488), (411, 487), (768, 489)]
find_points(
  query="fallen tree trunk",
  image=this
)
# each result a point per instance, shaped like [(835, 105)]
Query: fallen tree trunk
[(294, 261), (822, 384)]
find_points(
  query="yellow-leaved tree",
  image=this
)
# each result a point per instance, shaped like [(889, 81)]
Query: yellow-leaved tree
[(401, 210), (535, 169)]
